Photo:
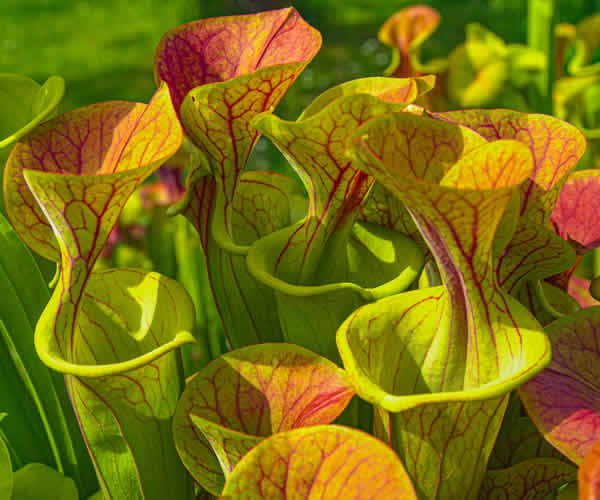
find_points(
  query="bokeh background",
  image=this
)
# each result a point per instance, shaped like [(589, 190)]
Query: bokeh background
[(104, 48)]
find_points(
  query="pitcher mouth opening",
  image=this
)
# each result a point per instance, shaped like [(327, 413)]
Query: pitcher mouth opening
[(142, 335), (354, 342), (262, 257)]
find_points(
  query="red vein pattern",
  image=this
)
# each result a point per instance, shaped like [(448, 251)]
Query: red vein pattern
[(79, 170), (72, 177), (223, 48), (231, 69), (563, 399), (100, 139), (383, 208), (330, 462), (533, 253), (443, 348), (217, 119), (519, 440), (523, 464), (252, 393), (576, 216), (221, 73), (535, 478), (129, 413), (263, 204), (197, 211), (459, 224), (336, 188), (556, 147), (444, 447)]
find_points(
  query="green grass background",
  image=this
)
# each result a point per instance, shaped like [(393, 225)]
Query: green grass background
[(104, 48)]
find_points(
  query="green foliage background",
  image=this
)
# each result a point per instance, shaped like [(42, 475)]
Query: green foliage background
[(104, 49)]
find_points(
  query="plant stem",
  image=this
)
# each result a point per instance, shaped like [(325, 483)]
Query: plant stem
[(190, 264), (541, 21), (596, 263), (543, 300)]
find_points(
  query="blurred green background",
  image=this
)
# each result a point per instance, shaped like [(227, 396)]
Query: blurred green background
[(104, 49)]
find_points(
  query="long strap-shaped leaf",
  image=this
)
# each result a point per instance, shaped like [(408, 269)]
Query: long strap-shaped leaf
[(41, 425), (24, 104), (6, 472)]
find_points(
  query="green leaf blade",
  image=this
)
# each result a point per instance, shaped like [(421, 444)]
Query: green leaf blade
[(225, 85), (114, 332), (6, 470), (533, 253), (203, 48), (43, 410), (263, 204), (40, 481), (128, 380), (534, 478), (26, 104)]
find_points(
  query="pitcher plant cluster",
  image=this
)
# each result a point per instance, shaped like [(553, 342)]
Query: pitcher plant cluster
[(399, 323)]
